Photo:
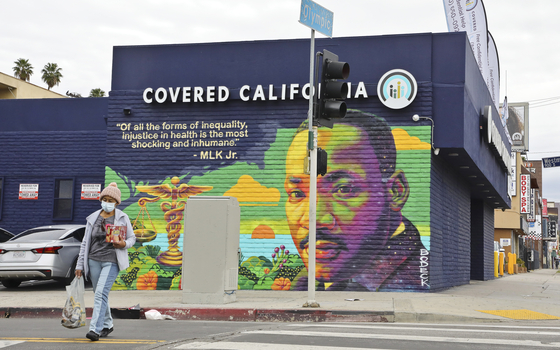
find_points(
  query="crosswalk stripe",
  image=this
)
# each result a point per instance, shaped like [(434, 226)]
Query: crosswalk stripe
[(486, 325), (6, 343), (261, 346), (425, 329), (411, 338)]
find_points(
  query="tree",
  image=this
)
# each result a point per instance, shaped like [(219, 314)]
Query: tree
[(96, 93), (23, 69), (51, 74)]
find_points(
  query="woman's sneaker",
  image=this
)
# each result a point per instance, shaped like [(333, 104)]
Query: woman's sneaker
[(91, 335), (105, 332)]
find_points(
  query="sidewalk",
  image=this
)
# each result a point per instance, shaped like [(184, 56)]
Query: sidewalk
[(537, 291)]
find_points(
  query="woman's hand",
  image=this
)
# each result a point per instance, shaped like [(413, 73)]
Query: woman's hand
[(118, 243), (78, 273)]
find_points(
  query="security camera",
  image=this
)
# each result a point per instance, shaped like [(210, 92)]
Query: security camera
[(416, 117)]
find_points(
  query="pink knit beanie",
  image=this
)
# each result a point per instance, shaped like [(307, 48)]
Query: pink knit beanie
[(112, 191)]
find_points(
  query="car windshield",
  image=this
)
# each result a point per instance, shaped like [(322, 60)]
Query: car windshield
[(37, 235)]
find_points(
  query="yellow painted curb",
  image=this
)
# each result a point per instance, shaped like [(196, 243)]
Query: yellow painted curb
[(521, 314)]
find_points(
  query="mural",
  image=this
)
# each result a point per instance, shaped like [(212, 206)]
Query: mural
[(373, 208)]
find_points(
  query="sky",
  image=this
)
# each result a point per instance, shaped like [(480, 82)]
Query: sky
[(79, 36)]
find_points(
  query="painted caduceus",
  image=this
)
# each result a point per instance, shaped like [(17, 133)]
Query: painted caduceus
[(174, 199)]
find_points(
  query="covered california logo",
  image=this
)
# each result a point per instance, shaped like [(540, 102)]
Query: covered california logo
[(471, 4), (397, 88)]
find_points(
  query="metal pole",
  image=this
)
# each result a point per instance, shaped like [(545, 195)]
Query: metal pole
[(312, 185)]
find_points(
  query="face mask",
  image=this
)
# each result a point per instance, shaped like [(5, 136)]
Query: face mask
[(108, 207)]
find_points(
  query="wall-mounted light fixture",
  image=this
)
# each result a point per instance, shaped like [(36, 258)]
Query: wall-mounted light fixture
[(416, 118), (127, 111)]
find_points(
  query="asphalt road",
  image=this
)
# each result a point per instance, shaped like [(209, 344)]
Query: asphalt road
[(44, 334)]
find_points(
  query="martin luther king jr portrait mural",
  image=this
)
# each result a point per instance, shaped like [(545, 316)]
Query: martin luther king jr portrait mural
[(364, 243)]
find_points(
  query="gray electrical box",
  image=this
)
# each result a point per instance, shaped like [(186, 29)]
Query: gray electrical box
[(210, 246)]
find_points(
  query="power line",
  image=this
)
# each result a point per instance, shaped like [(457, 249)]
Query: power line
[(544, 104), (545, 99)]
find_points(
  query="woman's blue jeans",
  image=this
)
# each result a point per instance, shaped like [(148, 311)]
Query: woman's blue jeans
[(103, 275)]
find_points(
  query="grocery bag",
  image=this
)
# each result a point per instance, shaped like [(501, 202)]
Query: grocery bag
[(74, 311)]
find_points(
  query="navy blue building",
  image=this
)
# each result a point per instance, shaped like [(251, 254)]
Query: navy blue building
[(224, 117)]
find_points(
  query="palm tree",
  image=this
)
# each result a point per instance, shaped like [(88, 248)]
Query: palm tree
[(23, 69), (51, 74), (96, 93)]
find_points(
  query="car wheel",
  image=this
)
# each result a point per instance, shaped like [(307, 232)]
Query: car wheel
[(11, 283)]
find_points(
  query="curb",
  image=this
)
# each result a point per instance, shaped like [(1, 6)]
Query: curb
[(242, 315)]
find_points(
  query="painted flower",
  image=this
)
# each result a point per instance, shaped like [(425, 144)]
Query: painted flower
[(147, 281), (276, 250), (287, 252), (281, 284), (266, 270), (282, 247)]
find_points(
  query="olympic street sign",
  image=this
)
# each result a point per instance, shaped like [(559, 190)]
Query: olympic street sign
[(316, 17)]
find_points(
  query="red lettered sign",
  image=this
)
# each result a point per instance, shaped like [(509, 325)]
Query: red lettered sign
[(524, 188)]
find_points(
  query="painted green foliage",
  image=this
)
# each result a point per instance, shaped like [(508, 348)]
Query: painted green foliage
[(278, 273)]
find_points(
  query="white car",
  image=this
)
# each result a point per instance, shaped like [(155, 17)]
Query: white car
[(42, 253)]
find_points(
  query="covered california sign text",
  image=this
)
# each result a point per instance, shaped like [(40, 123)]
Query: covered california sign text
[(194, 94)]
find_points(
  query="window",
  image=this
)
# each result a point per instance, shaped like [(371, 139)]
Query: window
[(63, 199), (1, 194)]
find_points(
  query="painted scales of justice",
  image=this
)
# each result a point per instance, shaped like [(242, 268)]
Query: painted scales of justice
[(173, 197)]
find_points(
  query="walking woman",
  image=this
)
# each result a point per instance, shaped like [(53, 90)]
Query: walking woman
[(103, 260)]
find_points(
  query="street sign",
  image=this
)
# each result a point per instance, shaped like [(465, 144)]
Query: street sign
[(551, 162), (316, 17)]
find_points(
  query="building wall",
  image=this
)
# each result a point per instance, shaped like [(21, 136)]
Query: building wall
[(43, 140), (256, 173), (450, 241), (482, 241), (13, 88), (391, 215)]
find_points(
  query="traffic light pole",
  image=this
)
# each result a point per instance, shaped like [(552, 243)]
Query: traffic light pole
[(312, 149)]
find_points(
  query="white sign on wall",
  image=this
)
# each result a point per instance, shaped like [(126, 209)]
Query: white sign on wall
[(91, 191), (512, 177), (532, 209), (28, 191)]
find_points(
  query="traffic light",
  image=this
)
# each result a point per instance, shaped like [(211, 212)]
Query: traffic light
[(333, 92), (321, 161)]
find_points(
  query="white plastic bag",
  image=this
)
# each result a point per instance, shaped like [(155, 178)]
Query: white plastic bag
[(74, 311), (156, 315)]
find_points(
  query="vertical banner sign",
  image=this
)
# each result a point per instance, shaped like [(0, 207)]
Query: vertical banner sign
[(552, 229), (538, 228), (544, 207), (28, 191), (91, 191), (469, 16), (512, 177), (457, 19), (478, 36), (493, 71), (531, 216), (524, 187)]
